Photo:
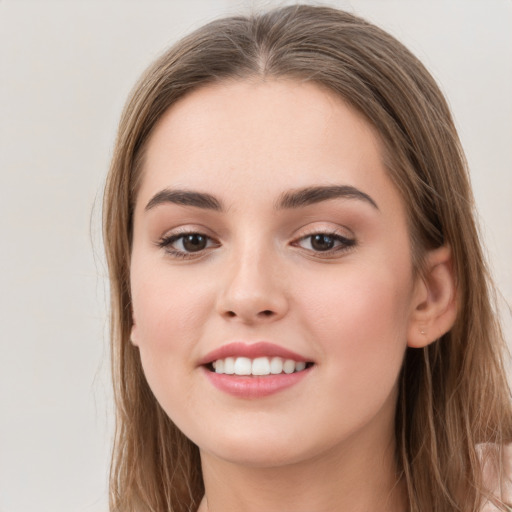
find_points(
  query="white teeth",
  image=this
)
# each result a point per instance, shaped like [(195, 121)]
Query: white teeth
[(276, 365), (219, 366), (258, 366), (261, 366), (243, 366), (289, 366), (229, 365), (298, 366)]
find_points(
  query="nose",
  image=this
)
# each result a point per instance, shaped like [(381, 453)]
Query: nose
[(253, 290)]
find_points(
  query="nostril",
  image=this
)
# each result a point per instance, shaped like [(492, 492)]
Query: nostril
[(245, 316)]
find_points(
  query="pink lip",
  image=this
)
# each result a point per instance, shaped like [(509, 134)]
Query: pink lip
[(251, 350), (254, 387)]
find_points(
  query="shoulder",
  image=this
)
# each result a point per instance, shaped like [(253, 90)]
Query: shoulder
[(497, 467)]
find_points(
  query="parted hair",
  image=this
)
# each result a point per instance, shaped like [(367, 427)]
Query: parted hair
[(453, 413)]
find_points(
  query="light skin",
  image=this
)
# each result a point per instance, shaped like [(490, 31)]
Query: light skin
[(236, 163)]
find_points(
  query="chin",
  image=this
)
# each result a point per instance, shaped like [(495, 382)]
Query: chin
[(262, 449), (257, 456)]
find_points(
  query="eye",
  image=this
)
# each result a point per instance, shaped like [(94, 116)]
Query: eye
[(186, 245), (325, 242), (193, 242)]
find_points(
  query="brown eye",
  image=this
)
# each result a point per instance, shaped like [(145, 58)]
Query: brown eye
[(194, 242), (330, 243), (322, 242), (187, 244)]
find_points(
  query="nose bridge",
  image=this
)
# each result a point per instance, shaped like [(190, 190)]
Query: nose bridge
[(253, 289)]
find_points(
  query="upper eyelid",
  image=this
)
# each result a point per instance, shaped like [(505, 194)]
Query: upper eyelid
[(341, 231), (186, 229)]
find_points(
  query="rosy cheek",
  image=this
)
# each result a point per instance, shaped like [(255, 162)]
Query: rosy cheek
[(169, 311), (357, 312)]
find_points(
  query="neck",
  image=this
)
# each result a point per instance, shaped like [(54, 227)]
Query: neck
[(346, 478)]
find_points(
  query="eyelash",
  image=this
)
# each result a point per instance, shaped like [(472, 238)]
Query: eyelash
[(166, 243), (344, 244)]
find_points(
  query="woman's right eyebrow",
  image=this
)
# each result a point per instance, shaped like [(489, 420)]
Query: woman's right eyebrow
[(185, 198)]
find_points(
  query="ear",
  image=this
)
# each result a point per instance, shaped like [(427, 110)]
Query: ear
[(434, 306)]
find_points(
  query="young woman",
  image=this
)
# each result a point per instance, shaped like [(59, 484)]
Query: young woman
[(302, 318)]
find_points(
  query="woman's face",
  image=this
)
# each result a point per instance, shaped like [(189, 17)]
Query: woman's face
[(266, 231)]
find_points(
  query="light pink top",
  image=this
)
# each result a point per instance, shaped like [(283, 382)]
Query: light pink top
[(500, 484)]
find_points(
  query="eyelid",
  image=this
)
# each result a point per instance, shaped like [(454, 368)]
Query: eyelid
[(318, 228), (186, 229), (166, 240), (348, 241)]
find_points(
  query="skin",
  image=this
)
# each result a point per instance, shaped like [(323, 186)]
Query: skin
[(352, 311)]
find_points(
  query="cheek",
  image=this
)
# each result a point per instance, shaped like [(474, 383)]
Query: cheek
[(169, 314), (166, 306), (360, 322), (360, 327), (168, 317), (364, 299)]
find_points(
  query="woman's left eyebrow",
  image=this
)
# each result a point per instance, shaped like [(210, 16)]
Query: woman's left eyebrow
[(311, 195)]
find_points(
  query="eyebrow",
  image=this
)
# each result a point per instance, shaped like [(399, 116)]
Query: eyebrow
[(293, 199), (312, 195), (185, 198)]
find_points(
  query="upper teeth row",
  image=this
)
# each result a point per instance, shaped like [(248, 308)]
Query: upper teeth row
[(258, 366)]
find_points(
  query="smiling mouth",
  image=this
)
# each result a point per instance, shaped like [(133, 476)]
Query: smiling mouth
[(259, 366)]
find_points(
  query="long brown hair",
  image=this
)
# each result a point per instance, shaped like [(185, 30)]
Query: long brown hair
[(454, 402)]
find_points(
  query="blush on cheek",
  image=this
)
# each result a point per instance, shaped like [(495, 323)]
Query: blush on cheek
[(169, 310), (365, 319)]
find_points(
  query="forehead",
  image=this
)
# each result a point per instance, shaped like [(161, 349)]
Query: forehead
[(263, 136)]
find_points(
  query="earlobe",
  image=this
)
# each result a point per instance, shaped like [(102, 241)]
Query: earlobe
[(435, 300)]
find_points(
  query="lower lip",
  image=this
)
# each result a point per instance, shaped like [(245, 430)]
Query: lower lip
[(254, 386)]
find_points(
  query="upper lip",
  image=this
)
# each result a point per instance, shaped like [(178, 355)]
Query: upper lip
[(251, 351)]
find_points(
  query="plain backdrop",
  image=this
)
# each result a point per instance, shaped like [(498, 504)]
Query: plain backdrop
[(65, 71)]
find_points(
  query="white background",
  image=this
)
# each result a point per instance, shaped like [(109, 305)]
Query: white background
[(66, 68)]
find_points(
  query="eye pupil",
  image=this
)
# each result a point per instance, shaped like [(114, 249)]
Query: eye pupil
[(194, 242), (322, 242)]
